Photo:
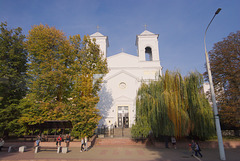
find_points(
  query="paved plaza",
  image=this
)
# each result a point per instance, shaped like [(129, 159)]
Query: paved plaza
[(120, 153)]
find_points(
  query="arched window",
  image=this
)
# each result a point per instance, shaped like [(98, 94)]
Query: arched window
[(148, 54)]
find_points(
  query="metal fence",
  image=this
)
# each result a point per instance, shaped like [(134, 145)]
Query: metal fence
[(106, 131)]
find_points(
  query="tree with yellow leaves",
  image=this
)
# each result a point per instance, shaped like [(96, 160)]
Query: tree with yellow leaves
[(61, 73)]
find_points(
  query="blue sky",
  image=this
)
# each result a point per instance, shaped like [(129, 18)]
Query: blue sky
[(180, 24)]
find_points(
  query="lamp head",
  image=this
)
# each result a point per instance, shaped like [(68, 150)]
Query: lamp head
[(218, 10)]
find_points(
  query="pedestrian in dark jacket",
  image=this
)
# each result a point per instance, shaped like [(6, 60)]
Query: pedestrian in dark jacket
[(193, 145), (197, 150)]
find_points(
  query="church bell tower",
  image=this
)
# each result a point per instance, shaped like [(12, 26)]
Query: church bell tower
[(147, 44), (102, 41)]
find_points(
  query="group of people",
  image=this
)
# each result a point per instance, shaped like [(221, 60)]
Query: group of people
[(83, 146), (59, 140), (195, 148)]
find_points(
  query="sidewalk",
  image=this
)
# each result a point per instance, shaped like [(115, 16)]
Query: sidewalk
[(120, 153)]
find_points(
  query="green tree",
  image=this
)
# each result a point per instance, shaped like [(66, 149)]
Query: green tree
[(13, 58), (61, 72), (224, 61), (88, 61), (199, 111), (173, 106), (164, 103), (49, 56)]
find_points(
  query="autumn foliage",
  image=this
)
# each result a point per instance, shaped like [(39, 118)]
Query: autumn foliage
[(173, 106), (61, 74), (225, 67)]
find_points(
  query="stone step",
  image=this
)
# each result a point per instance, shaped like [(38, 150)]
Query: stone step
[(117, 141), (119, 132)]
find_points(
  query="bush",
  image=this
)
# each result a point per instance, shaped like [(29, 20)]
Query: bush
[(141, 129)]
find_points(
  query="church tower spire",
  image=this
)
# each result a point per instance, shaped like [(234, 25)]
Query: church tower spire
[(147, 44), (102, 41)]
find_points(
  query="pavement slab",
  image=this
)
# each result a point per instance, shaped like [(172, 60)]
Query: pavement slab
[(120, 153)]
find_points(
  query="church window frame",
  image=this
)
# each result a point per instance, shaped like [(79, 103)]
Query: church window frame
[(148, 53)]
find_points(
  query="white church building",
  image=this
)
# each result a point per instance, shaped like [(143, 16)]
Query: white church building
[(117, 103)]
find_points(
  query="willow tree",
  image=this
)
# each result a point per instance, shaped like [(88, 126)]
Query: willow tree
[(164, 102), (61, 72), (173, 108), (200, 111)]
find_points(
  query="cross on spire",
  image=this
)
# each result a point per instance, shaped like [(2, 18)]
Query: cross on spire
[(145, 26), (122, 50), (98, 28)]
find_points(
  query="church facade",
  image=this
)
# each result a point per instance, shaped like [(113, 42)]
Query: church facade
[(117, 103)]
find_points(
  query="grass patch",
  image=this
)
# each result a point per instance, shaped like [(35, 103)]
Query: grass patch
[(225, 138)]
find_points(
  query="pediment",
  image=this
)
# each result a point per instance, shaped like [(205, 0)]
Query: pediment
[(146, 32), (96, 34), (124, 55), (122, 72), (122, 60)]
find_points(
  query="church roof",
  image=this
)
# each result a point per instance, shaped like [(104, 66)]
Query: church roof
[(122, 72), (97, 34), (146, 32), (122, 54), (122, 60)]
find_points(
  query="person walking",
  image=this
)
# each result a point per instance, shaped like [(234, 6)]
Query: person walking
[(86, 145), (82, 144), (193, 145), (166, 139), (173, 139), (1, 143), (197, 150), (59, 140)]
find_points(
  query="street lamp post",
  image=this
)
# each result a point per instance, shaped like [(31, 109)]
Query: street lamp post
[(215, 110)]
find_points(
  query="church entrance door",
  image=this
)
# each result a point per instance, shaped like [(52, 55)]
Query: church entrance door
[(123, 116)]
